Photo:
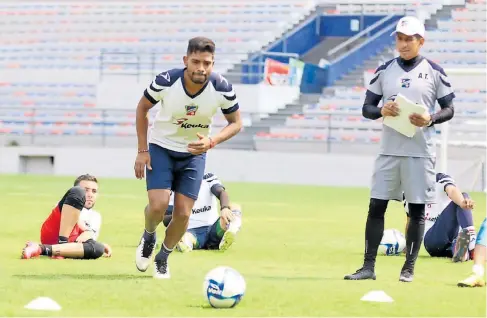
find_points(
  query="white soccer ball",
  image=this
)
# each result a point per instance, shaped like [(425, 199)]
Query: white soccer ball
[(224, 287), (393, 243)]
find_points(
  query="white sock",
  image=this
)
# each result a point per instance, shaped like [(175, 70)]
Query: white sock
[(473, 237), (478, 269)]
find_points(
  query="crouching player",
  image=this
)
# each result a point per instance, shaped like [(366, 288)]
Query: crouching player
[(207, 228), (449, 230), (71, 230), (477, 279)]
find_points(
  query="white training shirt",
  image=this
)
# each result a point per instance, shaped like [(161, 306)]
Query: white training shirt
[(182, 115), (92, 221), (205, 210), (433, 210)]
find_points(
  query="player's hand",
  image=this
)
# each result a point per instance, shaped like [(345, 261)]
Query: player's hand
[(200, 146), (419, 120), (390, 109), (227, 216), (108, 251), (142, 160), (467, 204)]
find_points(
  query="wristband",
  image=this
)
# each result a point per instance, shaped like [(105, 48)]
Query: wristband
[(225, 207), (143, 150)]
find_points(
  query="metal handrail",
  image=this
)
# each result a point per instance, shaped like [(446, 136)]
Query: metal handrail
[(359, 35)]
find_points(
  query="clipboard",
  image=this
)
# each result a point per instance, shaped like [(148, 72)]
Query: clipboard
[(401, 123)]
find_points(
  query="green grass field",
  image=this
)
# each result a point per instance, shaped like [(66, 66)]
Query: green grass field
[(295, 246)]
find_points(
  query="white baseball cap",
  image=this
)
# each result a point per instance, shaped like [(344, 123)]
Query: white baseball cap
[(410, 26)]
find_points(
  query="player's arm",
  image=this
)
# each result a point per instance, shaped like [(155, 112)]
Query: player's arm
[(234, 126), (370, 109), (225, 211), (142, 121), (444, 95), (219, 191), (231, 111), (152, 95), (457, 197), (373, 96)]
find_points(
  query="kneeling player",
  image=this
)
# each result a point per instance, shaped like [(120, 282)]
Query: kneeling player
[(449, 229), (73, 226), (207, 229), (477, 279)]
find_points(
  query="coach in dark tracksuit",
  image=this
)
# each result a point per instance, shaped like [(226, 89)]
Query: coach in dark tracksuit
[(404, 164)]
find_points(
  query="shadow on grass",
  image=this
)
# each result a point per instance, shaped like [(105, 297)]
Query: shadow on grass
[(82, 276)]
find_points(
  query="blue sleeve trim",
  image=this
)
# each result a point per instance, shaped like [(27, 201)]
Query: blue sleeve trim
[(150, 98), (436, 67), (446, 101), (230, 110), (220, 83), (384, 66)]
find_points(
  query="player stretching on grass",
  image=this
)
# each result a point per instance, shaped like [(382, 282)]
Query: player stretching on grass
[(451, 212), (75, 213), (477, 279), (404, 164), (207, 228), (174, 156)]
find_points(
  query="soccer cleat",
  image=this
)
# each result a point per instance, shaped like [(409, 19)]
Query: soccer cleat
[(31, 250), (361, 274), (227, 239), (161, 270), (473, 280), (407, 275), (460, 250), (187, 243), (143, 254)]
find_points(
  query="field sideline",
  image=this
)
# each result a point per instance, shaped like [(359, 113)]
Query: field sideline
[(296, 244)]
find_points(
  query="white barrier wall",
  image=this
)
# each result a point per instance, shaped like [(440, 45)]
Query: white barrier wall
[(259, 98), (229, 165)]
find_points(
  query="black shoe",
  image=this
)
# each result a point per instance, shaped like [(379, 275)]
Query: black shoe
[(407, 275), (361, 274), (161, 269)]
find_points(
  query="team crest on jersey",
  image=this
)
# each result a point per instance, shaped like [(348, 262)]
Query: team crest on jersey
[(405, 82), (191, 109)]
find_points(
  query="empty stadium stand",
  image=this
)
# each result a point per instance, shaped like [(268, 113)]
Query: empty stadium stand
[(457, 41), (109, 37)]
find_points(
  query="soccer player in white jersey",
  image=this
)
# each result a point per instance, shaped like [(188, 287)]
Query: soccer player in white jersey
[(449, 229), (81, 241), (209, 227), (173, 158), (404, 165)]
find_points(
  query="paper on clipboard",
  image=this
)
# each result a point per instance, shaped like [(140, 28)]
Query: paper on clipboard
[(401, 123)]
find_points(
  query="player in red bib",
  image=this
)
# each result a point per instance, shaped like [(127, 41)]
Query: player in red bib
[(72, 228)]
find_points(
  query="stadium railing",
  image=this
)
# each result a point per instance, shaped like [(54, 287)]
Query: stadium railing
[(152, 63)]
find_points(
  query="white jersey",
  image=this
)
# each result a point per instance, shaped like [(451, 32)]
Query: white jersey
[(205, 210), (182, 115), (91, 220), (433, 210)]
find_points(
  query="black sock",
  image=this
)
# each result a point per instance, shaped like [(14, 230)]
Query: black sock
[(414, 235), (46, 250), (374, 229), (163, 253), (62, 239), (149, 237)]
